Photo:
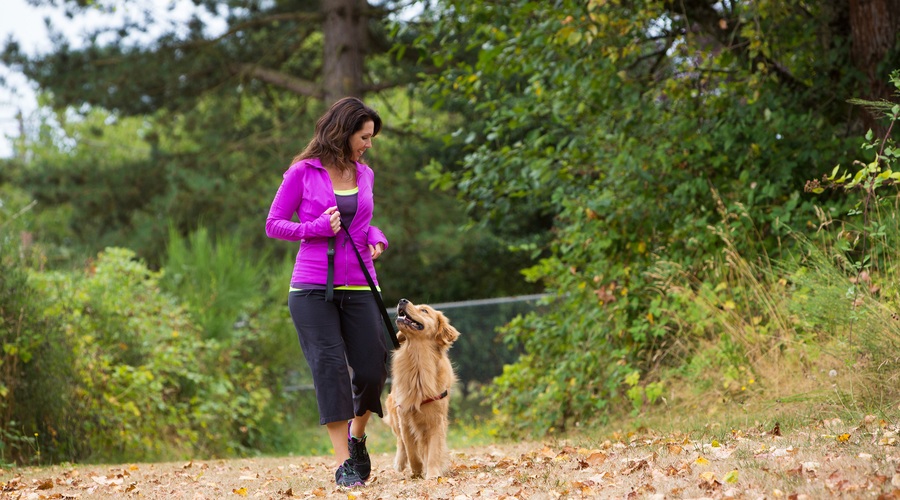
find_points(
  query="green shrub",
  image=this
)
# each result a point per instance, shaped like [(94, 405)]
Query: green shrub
[(241, 301), (36, 359), (148, 385)]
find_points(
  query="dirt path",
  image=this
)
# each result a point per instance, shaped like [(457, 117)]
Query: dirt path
[(831, 459)]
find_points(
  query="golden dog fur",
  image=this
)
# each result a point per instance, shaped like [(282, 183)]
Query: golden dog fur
[(421, 373)]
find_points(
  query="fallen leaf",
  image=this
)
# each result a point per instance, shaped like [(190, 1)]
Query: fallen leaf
[(585, 487), (878, 479), (708, 481), (635, 465), (596, 458), (811, 466), (240, 491), (731, 477), (721, 453), (701, 461), (843, 438), (106, 481)]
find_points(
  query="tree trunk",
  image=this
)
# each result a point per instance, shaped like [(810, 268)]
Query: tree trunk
[(874, 28), (346, 35)]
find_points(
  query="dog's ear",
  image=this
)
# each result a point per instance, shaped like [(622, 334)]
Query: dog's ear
[(446, 333)]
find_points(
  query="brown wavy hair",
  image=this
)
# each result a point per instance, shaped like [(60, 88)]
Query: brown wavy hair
[(331, 141)]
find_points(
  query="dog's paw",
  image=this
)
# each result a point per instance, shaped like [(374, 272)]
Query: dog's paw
[(434, 475)]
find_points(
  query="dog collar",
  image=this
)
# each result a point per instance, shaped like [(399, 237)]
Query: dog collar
[(442, 396)]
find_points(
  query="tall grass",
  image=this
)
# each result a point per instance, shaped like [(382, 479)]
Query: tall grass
[(814, 327), (819, 325), (216, 279)]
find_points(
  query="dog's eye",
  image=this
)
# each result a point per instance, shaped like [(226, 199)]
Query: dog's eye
[(423, 309)]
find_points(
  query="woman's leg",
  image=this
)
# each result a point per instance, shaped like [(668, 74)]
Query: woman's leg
[(367, 353), (318, 325), (337, 432), (358, 425)]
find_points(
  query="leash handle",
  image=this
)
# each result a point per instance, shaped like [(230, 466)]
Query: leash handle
[(384, 314)]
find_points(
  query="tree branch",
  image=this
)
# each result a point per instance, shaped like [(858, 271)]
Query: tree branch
[(279, 79), (310, 17)]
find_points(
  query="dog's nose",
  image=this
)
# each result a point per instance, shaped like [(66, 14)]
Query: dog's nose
[(403, 301)]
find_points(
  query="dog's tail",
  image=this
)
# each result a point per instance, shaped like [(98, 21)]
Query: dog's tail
[(387, 413)]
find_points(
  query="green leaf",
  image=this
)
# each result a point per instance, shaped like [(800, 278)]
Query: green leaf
[(731, 476), (834, 172)]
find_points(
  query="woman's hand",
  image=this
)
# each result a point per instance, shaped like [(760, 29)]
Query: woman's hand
[(335, 219), (376, 250)]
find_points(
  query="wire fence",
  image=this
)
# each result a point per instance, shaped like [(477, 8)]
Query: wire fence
[(479, 354)]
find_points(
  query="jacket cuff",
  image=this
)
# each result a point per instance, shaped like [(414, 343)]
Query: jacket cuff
[(375, 237)]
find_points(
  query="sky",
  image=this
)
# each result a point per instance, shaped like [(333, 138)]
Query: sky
[(26, 24)]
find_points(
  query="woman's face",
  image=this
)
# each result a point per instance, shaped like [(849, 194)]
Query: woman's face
[(361, 140)]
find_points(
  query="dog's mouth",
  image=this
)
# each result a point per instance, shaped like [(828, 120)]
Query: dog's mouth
[(404, 320)]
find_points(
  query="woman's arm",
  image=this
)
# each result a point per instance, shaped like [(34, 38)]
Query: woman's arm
[(279, 223)]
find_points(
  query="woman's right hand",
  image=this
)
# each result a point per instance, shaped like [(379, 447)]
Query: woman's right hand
[(335, 219)]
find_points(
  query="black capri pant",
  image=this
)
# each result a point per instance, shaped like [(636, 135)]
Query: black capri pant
[(343, 342)]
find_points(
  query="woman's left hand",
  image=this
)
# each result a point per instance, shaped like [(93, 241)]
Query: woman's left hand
[(376, 250)]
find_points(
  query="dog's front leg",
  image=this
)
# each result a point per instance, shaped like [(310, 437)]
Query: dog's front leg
[(437, 456), (413, 450)]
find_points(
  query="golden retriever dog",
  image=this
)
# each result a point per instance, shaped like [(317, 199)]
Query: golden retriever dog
[(421, 378)]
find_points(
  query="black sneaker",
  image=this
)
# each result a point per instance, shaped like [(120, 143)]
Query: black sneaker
[(347, 476), (359, 456)]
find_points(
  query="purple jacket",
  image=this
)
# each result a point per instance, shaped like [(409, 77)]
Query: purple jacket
[(307, 191)]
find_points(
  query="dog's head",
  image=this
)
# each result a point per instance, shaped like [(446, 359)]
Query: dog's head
[(422, 320)]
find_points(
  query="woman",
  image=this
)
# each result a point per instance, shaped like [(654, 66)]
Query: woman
[(335, 314)]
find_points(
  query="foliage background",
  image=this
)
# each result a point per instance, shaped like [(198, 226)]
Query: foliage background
[(643, 163)]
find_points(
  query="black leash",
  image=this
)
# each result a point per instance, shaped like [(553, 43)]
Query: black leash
[(330, 286)]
